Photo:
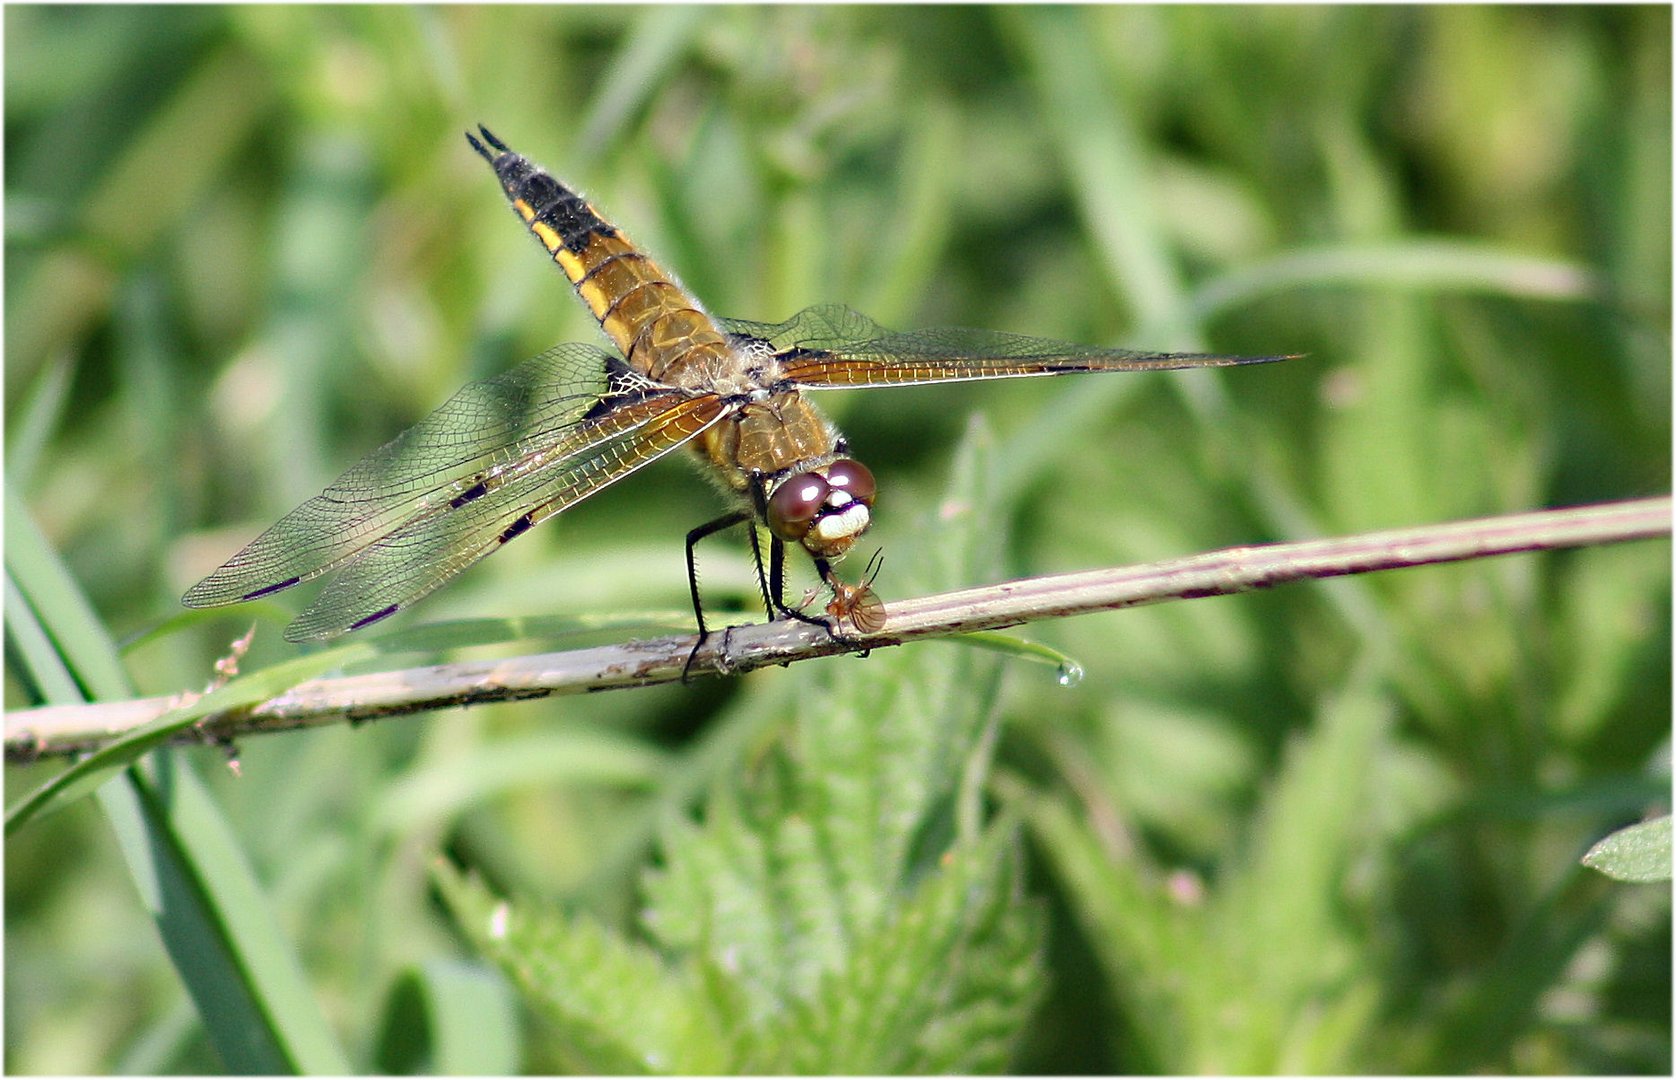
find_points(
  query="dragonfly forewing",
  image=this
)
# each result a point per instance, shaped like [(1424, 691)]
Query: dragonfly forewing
[(488, 430), (426, 551), (830, 346)]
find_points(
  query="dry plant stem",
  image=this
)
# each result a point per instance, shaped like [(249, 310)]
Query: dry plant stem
[(68, 729)]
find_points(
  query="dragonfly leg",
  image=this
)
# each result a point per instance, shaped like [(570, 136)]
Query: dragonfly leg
[(726, 521), (769, 584), (776, 589), (773, 584)]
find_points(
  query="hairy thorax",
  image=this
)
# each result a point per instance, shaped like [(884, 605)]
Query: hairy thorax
[(767, 438)]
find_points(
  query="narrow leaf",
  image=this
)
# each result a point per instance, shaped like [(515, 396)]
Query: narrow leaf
[(1638, 853), (189, 869)]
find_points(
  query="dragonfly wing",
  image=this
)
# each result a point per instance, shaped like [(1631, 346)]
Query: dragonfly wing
[(831, 346), (823, 326), (430, 548), (482, 432)]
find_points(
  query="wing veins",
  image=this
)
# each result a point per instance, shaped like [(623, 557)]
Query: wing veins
[(411, 561), (830, 346), (539, 412)]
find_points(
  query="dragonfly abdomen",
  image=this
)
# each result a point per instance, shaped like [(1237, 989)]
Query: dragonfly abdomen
[(650, 318)]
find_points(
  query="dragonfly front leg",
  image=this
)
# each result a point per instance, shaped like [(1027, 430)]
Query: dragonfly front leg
[(773, 584), (726, 521)]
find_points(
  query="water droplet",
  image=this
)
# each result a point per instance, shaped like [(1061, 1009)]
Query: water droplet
[(1070, 673)]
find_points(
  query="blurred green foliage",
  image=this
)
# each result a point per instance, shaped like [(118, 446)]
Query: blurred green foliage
[(1331, 828)]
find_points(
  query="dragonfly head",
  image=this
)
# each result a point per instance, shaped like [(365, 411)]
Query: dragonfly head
[(824, 509)]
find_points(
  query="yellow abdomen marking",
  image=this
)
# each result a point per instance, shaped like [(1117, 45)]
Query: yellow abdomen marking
[(571, 264), (548, 236)]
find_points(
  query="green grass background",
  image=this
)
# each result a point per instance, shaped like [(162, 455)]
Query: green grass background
[(245, 246)]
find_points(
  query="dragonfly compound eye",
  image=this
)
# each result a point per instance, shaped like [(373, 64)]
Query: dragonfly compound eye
[(848, 474), (793, 506), (844, 514)]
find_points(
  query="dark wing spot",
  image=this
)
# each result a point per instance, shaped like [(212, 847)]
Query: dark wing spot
[(517, 528), (374, 617), (476, 491), (266, 589)]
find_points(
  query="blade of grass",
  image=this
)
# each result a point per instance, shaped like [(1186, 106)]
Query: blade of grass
[(192, 875), (659, 37), (1423, 263), (451, 1019), (133, 745), (1102, 154), (38, 417)]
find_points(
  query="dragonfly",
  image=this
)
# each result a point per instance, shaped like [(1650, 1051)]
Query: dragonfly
[(507, 453)]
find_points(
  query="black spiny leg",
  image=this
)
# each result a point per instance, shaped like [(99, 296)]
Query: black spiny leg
[(773, 584), (775, 592), (776, 560), (726, 521)]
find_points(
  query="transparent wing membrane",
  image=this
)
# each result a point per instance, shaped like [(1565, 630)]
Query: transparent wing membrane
[(515, 448), (428, 550), (830, 346)]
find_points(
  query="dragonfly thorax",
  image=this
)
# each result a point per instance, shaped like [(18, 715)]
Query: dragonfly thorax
[(778, 437)]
